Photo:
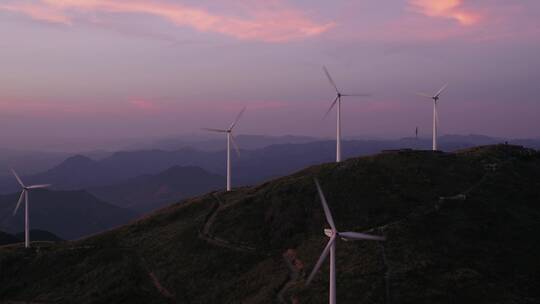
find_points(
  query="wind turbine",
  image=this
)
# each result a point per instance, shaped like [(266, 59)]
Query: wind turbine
[(333, 234), (230, 139), (337, 101), (435, 113), (24, 195)]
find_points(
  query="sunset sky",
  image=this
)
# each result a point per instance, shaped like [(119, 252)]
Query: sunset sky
[(115, 68)]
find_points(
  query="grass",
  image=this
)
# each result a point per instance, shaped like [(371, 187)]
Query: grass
[(479, 250)]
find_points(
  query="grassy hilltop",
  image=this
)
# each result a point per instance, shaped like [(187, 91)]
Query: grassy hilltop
[(461, 228)]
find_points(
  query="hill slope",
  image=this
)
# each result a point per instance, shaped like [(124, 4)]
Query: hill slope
[(149, 192), (6, 238), (461, 228)]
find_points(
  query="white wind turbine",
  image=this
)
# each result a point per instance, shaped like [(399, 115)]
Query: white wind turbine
[(333, 234), (24, 195), (230, 139), (337, 101), (435, 113)]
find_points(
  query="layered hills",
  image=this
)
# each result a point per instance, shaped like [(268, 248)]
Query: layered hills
[(68, 214), (261, 159), (461, 228), (151, 191)]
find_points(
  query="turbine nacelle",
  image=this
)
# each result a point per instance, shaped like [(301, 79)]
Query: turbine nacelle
[(25, 190), (435, 96), (329, 232), (332, 233), (338, 92), (230, 140), (24, 197)]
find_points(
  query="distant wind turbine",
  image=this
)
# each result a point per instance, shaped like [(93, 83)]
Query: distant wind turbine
[(337, 101), (24, 195), (333, 234), (230, 139), (435, 113)]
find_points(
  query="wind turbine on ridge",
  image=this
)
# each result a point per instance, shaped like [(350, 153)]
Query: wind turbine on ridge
[(337, 101), (24, 195), (435, 98), (230, 139), (330, 248)]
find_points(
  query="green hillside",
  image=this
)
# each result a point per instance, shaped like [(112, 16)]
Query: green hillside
[(461, 228)]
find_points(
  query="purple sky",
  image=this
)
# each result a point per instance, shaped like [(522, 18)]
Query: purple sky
[(118, 68)]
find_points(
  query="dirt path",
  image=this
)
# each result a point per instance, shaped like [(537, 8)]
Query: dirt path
[(206, 232), (163, 291), (296, 272)]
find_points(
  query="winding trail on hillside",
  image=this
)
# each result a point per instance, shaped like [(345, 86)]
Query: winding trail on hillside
[(206, 232), (163, 291), (296, 273), (441, 202)]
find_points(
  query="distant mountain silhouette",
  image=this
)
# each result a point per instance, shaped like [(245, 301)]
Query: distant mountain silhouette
[(29, 162), (148, 192), (251, 167), (68, 214), (246, 141)]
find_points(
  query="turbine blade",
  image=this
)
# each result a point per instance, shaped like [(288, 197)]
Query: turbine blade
[(237, 118), (235, 145), (441, 90), (327, 213), (321, 260), (424, 95), (360, 236), (331, 107), (39, 186), (19, 202), (214, 130), (17, 177), (330, 79)]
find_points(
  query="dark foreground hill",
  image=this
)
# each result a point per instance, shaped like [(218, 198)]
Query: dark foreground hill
[(68, 214), (461, 228), (6, 238), (153, 191)]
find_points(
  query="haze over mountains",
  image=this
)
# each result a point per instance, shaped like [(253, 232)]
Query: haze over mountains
[(271, 160), (68, 214), (148, 192)]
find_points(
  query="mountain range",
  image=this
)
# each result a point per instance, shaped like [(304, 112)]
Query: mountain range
[(68, 214), (460, 227), (252, 166), (151, 191)]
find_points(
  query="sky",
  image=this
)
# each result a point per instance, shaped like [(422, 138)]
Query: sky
[(101, 70)]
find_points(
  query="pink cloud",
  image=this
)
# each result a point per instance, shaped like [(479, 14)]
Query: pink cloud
[(144, 105), (449, 9), (38, 12), (271, 21)]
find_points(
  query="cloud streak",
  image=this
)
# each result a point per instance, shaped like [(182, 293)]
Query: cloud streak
[(271, 21), (449, 9)]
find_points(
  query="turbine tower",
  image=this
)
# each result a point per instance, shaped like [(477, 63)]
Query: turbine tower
[(435, 113), (24, 195), (333, 234), (337, 101), (230, 140)]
